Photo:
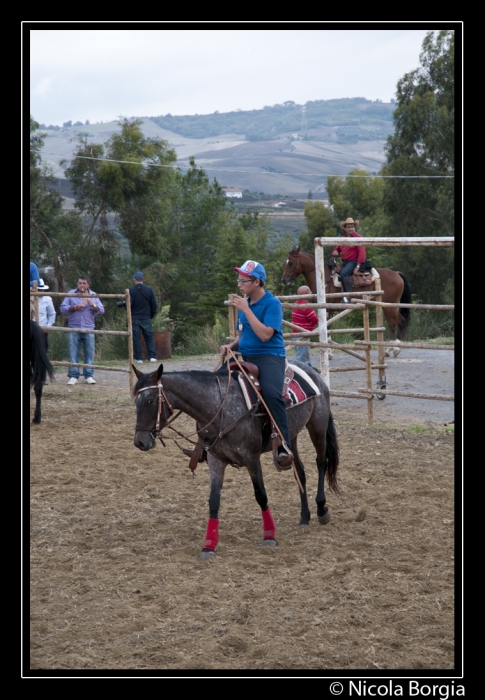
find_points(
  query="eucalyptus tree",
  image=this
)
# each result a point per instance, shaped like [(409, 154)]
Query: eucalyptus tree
[(421, 151), (54, 233)]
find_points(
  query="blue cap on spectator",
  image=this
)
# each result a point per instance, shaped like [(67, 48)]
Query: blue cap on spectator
[(138, 275), (251, 268)]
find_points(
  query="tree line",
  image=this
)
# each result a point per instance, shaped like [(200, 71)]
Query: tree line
[(184, 235), (405, 205)]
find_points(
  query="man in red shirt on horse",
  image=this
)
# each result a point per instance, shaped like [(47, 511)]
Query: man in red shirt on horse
[(352, 256)]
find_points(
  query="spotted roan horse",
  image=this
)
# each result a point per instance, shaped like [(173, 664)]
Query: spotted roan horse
[(394, 285), (232, 435), (40, 366)]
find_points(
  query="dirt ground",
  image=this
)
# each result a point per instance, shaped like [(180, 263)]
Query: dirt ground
[(115, 534)]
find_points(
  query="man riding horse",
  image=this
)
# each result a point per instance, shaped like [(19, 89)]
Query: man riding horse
[(352, 256)]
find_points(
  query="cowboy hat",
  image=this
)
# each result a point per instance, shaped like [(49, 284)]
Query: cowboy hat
[(343, 224), (41, 284)]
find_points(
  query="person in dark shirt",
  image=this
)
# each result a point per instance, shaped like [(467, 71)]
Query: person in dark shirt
[(143, 309)]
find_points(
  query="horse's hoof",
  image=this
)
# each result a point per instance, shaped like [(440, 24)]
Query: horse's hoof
[(206, 554), (387, 352), (304, 527), (396, 352), (270, 542), (324, 519)]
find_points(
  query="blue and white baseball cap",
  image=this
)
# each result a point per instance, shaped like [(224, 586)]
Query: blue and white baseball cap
[(251, 268)]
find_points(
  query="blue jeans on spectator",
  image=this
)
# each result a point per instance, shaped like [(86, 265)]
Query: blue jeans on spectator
[(139, 326), (302, 353), (75, 340)]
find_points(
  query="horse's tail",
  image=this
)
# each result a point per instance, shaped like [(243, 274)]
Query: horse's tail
[(40, 363), (332, 455), (405, 299)]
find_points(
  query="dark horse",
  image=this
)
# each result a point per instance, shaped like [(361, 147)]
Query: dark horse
[(40, 366), (232, 435), (394, 285)]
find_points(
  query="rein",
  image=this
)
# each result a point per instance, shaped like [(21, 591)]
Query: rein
[(162, 399)]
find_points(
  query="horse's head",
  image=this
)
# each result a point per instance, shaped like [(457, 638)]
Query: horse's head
[(152, 408), (293, 266)]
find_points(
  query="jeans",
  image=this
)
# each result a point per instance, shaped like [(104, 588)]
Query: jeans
[(271, 379), (75, 340), (348, 268), (302, 353), (139, 326)]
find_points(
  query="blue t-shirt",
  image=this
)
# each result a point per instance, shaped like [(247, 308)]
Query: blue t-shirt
[(269, 311)]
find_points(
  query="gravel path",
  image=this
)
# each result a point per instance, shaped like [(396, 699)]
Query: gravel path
[(414, 370)]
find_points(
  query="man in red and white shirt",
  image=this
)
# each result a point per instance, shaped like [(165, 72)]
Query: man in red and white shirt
[(352, 256), (304, 318)]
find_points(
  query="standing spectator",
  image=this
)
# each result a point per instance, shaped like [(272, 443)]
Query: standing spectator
[(307, 319), (47, 313), (143, 309), (81, 314)]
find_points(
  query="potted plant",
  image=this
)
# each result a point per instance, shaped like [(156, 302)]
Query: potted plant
[(162, 326)]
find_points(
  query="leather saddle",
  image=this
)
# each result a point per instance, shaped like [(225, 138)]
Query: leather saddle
[(361, 277), (199, 453)]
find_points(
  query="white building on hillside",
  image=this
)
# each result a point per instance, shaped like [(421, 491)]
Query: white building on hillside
[(232, 192)]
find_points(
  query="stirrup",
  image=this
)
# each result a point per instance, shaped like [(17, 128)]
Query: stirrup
[(285, 459)]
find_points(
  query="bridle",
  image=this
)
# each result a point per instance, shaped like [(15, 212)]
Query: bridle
[(302, 270), (163, 400)]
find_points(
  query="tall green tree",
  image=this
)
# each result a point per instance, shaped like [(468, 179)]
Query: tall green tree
[(192, 230), (54, 233), (320, 221), (241, 237), (423, 145), (359, 195), (122, 187)]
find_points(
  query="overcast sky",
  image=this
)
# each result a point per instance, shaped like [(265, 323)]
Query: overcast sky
[(101, 74)]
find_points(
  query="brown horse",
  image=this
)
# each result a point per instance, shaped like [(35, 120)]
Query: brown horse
[(394, 285)]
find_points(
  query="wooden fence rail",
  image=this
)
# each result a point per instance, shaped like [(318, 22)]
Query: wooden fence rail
[(34, 292)]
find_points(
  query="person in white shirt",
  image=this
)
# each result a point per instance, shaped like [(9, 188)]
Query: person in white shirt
[(47, 312)]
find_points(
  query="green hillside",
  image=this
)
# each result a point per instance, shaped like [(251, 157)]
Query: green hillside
[(348, 120)]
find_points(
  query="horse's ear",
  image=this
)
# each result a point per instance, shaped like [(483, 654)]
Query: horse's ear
[(296, 248), (160, 372), (137, 372)]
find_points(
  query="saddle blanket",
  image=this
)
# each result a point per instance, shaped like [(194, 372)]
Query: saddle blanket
[(298, 387)]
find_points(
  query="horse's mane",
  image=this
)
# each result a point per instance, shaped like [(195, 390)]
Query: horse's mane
[(199, 375), (301, 252)]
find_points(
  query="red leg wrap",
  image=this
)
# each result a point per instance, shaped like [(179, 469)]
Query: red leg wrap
[(212, 534), (269, 527)]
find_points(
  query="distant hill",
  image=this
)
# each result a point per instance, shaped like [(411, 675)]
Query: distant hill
[(286, 149)]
